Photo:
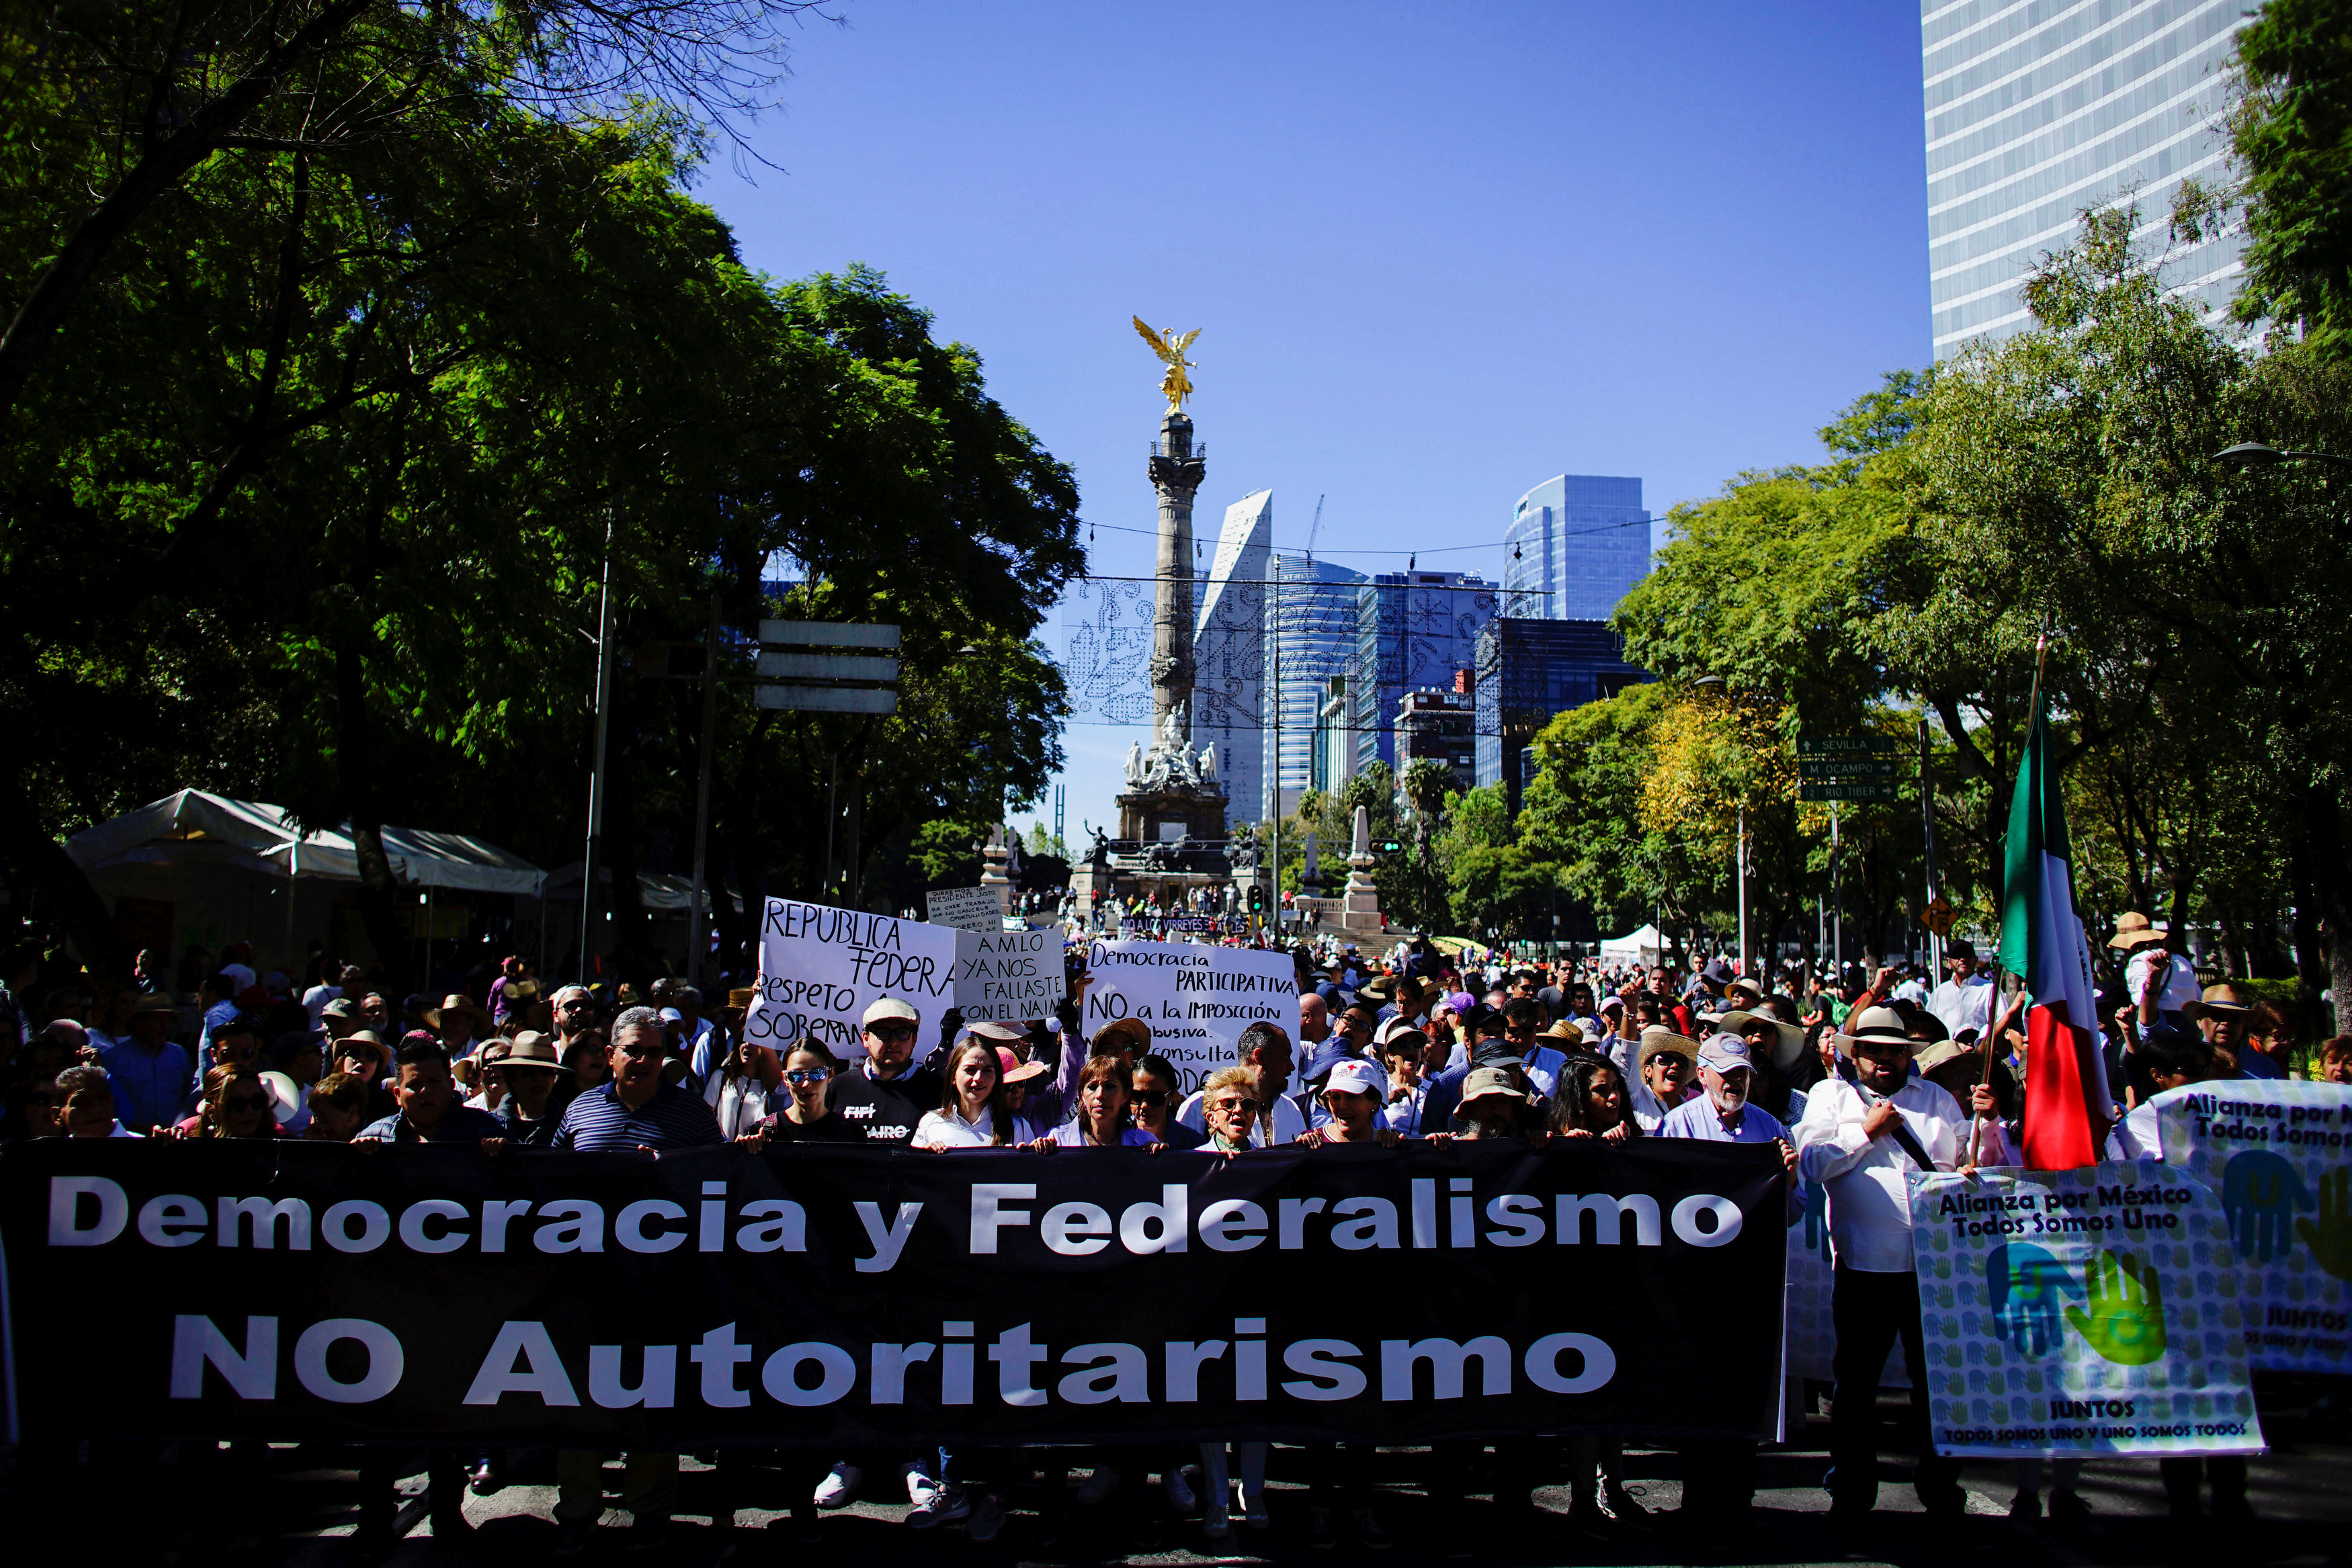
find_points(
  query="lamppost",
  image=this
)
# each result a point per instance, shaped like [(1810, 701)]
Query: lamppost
[(2248, 456)]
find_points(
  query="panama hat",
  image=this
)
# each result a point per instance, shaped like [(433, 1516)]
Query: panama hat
[(1875, 1026), (2135, 930), (1788, 1039)]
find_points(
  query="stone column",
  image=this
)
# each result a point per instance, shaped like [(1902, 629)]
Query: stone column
[(1177, 468)]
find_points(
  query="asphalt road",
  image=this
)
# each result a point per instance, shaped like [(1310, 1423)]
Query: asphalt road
[(299, 1513)]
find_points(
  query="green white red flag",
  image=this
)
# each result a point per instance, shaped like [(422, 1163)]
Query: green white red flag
[(2067, 1104)]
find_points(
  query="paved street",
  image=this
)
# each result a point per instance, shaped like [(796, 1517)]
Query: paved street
[(2302, 1492)]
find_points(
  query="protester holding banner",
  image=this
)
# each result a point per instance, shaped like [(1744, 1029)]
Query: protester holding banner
[(1593, 1102), (1353, 1094), (1102, 1120), (429, 1112), (1404, 1052), (1229, 1104), (974, 1110), (799, 1114), (1264, 1050), (1860, 1139), (234, 1105), (1152, 1103), (637, 1110), (2169, 1058), (882, 1096)]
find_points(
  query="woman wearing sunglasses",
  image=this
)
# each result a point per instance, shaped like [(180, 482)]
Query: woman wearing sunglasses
[(799, 1113), (235, 1105), (1153, 1101)]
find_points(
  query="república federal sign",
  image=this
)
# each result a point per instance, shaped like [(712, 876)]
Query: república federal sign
[(837, 1295)]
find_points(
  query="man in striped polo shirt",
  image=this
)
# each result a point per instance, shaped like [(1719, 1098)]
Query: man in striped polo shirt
[(634, 1111)]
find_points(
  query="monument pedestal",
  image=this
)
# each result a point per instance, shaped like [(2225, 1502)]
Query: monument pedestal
[(1148, 816), (1360, 904)]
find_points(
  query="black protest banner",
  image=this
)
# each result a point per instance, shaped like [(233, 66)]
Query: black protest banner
[(845, 1296)]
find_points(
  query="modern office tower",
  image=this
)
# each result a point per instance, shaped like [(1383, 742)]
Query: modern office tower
[(1437, 725), (1528, 671), (1413, 629), (1229, 656), (2038, 108), (1312, 617), (1576, 544), (1331, 757)]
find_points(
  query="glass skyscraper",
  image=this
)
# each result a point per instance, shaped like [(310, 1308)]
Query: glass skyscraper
[(1576, 544), (1415, 630), (2037, 108), (1311, 611)]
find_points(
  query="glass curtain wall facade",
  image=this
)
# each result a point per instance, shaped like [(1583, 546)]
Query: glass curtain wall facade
[(1311, 618), (1577, 544), (2037, 108), (1530, 670), (1413, 629)]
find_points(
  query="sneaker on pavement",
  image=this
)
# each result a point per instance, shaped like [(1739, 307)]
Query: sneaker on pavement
[(921, 1490), (1372, 1533), (1099, 1483), (839, 1486), (1218, 1524), (987, 1519), (1319, 1534), (1179, 1487), (940, 1505), (1254, 1513)]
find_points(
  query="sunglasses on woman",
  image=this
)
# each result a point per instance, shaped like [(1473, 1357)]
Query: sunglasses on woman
[(244, 1103), (1150, 1096), (1247, 1107), (809, 1074)]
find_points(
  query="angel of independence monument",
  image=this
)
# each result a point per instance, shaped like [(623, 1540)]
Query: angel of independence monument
[(1172, 814)]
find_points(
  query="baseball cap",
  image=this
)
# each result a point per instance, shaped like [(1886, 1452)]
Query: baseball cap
[(671, 1015), (1326, 1056), (340, 1008), (1355, 1077), (1725, 1053), (890, 1009)]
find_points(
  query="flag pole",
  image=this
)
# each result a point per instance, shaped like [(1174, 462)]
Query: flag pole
[(2000, 1027)]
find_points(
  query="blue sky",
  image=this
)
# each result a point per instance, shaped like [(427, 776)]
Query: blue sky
[(1437, 253)]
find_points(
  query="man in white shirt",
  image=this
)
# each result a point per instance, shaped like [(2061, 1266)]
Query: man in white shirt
[(1859, 1138), (1265, 1049), (1965, 1000)]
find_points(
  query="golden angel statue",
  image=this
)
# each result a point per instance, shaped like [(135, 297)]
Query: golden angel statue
[(1170, 348)]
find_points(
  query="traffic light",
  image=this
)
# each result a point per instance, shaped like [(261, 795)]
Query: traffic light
[(1257, 898), (1386, 847)]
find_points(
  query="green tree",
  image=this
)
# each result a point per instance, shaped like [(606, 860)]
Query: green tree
[(2291, 130)]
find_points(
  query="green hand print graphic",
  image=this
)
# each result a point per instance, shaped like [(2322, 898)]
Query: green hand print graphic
[(2330, 1236), (2123, 1319)]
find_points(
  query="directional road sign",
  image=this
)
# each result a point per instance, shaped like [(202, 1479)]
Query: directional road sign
[(1849, 789), (1849, 766), (1866, 745)]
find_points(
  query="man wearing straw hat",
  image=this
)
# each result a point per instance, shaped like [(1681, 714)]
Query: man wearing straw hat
[(1860, 1138)]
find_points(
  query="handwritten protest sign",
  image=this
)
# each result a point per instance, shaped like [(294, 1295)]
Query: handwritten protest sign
[(821, 969), (1008, 976), (1197, 998), (2081, 1311), (2280, 1153), (967, 908)]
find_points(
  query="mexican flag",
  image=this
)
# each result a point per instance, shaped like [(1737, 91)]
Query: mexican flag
[(2042, 941)]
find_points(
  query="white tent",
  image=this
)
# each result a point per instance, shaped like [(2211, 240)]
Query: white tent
[(200, 867), (1640, 946), (197, 825)]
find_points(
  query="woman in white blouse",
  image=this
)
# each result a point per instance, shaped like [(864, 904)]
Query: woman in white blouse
[(973, 1113)]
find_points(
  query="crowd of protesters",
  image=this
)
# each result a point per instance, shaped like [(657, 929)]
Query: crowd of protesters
[(1853, 1086)]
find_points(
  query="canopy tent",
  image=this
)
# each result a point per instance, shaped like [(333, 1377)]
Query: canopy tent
[(1641, 947), (658, 893), (196, 867), (196, 825)]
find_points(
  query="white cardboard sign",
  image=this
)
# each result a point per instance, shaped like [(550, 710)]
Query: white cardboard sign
[(821, 969), (1008, 976), (1197, 998), (966, 908)]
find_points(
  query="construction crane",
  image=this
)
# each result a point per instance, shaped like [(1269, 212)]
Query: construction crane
[(1311, 527)]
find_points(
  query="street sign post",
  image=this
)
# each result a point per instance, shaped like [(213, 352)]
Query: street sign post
[(1848, 767), (1849, 789), (1849, 745)]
